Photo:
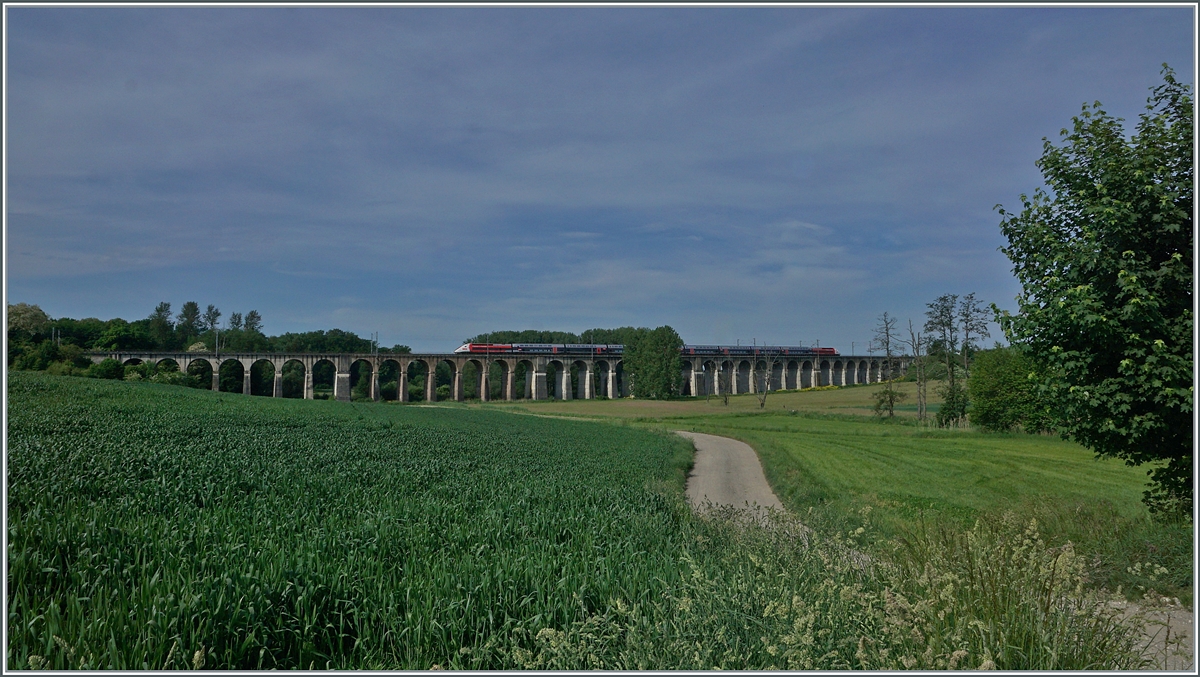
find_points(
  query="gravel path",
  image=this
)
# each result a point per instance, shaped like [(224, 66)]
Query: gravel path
[(727, 472)]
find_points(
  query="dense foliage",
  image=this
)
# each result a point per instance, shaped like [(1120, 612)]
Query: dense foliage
[(652, 364), (159, 528), (1105, 263), (38, 343), (1004, 392)]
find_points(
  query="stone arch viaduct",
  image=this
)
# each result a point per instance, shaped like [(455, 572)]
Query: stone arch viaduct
[(574, 376)]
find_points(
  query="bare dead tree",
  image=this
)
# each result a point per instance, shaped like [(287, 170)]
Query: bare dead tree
[(918, 344), (765, 378), (888, 341)]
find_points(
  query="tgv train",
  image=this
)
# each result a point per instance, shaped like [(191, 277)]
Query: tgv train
[(542, 348), (617, 349)]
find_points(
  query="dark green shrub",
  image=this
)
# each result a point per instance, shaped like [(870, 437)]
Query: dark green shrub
[(1004, 392), (954, 404), (109, 368), (64, 369)]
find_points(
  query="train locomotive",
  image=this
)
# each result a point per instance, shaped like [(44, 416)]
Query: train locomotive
[(618, 349)]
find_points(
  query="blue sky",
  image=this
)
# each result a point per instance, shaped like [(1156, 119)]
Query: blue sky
[(775, 174)]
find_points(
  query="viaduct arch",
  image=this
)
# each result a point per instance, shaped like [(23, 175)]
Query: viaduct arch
[(599, 376)]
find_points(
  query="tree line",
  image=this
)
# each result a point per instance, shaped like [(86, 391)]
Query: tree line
[(38, 342)]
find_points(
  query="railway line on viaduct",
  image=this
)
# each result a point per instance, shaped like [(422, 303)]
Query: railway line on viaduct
[(594, 376)]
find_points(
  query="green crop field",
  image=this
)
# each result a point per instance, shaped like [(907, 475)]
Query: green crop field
[(154, 527)]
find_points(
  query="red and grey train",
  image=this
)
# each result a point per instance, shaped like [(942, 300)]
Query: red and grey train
[(618, 349)]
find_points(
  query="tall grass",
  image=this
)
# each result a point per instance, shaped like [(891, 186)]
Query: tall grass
[(154, 527), (758, 595)]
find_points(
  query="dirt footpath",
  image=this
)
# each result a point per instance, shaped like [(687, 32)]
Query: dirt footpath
[(1169, 636), (727, 472)]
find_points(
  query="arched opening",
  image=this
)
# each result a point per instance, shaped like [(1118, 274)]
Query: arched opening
[(864, 371), (262, 378), (166, 365), (500, 380), (836, 373), (743, 376), (685, 379), (580, 380), (707, 381), (523, 380), (554, 381), (604, 379), (133, 361), (361, 377), (725, 378), (231, 376), (472, 380), (293, 379), (778, 374), (417, 375), (202, 371), (806, 375), (444, 381), (389, 380), (791, 375), (324, 371), (823, 374), (761, 377)]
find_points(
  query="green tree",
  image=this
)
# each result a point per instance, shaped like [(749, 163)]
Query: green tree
[(253, 322), (188, 323), (121, 335), (82, 333), (161, 328), (972, 319), (26, 321), (942, 327), (212, 318), (1106, 268), (1004, 391), (652, 363), (332, 341), (109, 368)]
